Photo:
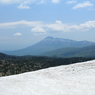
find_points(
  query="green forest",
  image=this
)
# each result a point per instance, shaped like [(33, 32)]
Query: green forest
[(10, 65)]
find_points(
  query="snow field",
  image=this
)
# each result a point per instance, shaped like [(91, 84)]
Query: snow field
[(75, 79)]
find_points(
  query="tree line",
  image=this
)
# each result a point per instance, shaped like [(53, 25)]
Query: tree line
[(16, 65)]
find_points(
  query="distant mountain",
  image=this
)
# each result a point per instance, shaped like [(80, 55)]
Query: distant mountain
[(49, 44), (88, 51)]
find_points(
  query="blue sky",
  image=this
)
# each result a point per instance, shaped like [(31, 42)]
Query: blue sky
[(26, 22)]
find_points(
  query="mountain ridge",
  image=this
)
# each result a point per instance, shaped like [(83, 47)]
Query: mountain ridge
[(88, 51), (48, 44)]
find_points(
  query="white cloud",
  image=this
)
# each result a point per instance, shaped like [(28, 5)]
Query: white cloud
[(21, 23), (55, 1), (83, 5), (11, 1), (42, 28), (89, 24), (38, 30), (58, 22), (58, 26), (71, 2), (18, 34), (8, 1), (67, 28), (23, 5)]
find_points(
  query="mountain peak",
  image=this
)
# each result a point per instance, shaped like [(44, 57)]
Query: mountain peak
[(49, 37)]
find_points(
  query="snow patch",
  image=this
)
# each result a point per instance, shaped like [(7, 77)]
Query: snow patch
[(75, 79)]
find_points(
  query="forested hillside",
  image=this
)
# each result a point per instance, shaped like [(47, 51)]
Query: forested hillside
[(69, 52), (10, 65)]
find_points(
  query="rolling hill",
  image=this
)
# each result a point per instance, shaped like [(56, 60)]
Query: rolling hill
[(48, 44), (88, 51)]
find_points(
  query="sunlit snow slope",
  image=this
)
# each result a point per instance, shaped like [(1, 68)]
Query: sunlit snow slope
[(76, 79)]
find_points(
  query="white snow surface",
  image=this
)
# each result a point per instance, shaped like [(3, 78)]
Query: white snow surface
[(75, 79)]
